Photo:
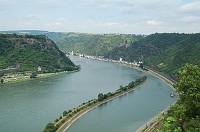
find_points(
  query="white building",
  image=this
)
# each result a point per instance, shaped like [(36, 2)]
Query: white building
[(39, 68)]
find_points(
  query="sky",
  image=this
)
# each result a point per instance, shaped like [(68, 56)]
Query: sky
[(101, 16)]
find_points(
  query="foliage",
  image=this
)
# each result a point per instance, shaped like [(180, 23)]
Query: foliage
[(50, 128), (91, 44), (100, 97), (185, 113), (131, 85), (95, 44), (166, 52), (2, 80), (28, 52), (33, 75), (189, 89)]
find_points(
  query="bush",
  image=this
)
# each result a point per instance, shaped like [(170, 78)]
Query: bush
[(56, 120), (50, 128), (65, 113), (33, 75), (100, 97), (2, 80)]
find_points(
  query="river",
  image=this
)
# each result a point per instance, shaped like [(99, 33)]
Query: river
[(29, 106)]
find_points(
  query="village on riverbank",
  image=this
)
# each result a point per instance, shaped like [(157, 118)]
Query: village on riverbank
[(101, 58)]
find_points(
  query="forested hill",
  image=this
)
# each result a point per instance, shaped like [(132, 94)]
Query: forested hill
[(95, 44), (165, 52), (28, 52), (87, 43)]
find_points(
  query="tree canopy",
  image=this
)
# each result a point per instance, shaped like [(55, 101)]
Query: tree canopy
[(186, 112), (188, 88), (28, 52)]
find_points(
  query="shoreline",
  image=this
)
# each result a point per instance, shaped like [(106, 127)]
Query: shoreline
[(152, 121), (151, 72), (39, 76), (146, 127), (94, 104)]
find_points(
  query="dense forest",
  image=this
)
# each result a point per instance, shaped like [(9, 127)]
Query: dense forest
[(95, 44), (28, 52), (86, 43), (165, 52)]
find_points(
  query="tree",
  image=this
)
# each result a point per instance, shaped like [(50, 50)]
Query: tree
[(100, 97), (188, 88), (2, 80), (50, 128), (33, 75), (65, 113), (141, 65)]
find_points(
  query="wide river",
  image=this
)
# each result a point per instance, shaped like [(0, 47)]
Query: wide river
[(30, 105)]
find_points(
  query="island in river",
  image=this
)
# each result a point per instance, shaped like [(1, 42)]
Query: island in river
[(70, 116)]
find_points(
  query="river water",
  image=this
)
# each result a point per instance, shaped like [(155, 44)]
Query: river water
[(30, 105)]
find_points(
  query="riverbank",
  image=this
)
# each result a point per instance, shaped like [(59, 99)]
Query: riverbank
[(148, 126), (135, 66), (16, 78), (63, 123), (152, 72)]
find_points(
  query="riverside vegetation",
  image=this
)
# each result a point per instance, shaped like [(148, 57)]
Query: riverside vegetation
[(164, 52), (69, 116), (184, 116)]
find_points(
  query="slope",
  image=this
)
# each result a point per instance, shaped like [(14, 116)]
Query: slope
[(166, 52), (28, 52)]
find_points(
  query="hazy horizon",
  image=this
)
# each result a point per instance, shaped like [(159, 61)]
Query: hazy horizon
[(101, 16)]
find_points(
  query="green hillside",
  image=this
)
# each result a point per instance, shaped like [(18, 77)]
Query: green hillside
[(95, 44), (28, 52), (165, 52), (91, 44)]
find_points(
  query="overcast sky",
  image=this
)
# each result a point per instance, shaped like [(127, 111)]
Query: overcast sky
[(101, 16)]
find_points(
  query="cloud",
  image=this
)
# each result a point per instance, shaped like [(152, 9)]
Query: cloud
[(128, 9), (97, 3), (57, 24), (128, 6), (4, 4), (154, 23), (122, 16), (114, 25), (31, 17), (194, 19), (49, 4), (191, 7)]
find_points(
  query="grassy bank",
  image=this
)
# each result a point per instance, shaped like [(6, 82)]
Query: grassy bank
[(16, 78), (63, 122)]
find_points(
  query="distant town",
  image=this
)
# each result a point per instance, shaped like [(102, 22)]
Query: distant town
[(101, 58)]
